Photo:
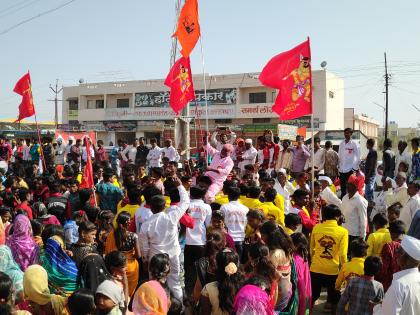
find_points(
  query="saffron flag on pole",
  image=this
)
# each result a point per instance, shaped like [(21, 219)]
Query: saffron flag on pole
[(290, 73), (188, 29), (179, 80), (24, 87), (87, 180)]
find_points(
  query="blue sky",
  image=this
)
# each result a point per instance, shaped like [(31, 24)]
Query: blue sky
[(101, 40)]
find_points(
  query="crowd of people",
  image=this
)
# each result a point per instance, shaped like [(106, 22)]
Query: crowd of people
[(240, 229)]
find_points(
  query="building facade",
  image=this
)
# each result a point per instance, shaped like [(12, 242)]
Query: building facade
[(369, 127), (133, 109)]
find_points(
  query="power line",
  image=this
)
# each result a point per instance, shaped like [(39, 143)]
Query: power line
[(35, 17), (13, 6), (18, 9)]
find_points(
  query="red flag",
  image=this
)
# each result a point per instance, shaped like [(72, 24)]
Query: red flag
[(179, 80), (24, 87), (87, 180), (290, 73), (188, 30)]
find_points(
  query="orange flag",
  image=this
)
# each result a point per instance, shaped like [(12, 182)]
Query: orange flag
[(24, 87), (188, 30)]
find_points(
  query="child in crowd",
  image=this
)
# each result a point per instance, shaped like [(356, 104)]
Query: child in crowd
[(362, 293), (389, 254), (109, 298), (271, 211), (380, 237), (394, 212), (354, 267), (253, 198), (71, 228), (292, 222), (37, 228), (301, 259), (218, 224)]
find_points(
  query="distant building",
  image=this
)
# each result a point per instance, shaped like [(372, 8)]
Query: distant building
[(400, 133), (369, 127), (132, 109)]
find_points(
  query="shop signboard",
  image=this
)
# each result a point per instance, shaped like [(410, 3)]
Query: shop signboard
[(287, 131), (120, 125), (161, 99)]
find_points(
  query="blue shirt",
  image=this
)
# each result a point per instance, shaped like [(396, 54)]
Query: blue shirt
[(109, 195)]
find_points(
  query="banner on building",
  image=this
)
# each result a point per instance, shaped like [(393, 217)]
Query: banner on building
[(161, 99)]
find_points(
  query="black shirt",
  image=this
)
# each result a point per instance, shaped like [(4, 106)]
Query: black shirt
[(371, 159)]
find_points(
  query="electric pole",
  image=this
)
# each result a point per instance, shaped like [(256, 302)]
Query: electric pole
[(386, 97), (56, 92)]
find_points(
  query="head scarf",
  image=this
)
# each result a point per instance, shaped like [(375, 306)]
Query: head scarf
[(150, 298), (35, 288), (92, 272), (62, 270), (10, 267), (24, 249), (113, 291), (252, 300)]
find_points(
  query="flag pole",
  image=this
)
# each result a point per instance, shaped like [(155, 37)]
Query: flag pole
[(312, 155), (40, 144), (205, 94)]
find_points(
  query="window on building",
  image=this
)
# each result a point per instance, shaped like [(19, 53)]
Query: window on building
[(91, 104), (123, 102), (260, 120), (260, 97), (73, 105), (100, 104), (223, 121), (331, 94)]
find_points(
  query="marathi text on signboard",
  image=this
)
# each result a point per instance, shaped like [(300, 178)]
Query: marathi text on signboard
[(213, 96)]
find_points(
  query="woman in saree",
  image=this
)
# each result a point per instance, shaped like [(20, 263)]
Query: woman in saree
[(126, 242), (35, 287), (24, 249), (281, 256), (12, 269), (62, 270)]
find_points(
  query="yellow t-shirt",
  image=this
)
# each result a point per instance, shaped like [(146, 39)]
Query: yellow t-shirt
[(328, 247), (129, 208), (377, 240), (279, 202), (352, 268), (271, 211), (252, 203), (221, 199)]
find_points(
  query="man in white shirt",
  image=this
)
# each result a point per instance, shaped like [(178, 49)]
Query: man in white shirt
[(155, 154), (143, 213), (412, 205), (402, 155), (402, 297), (326, 194), (354, 209), (223, 136), (67, 155), (285, 157), (319, 158), (235, 218), (195, 240), (170, 152), (60, 151), (397, 193), (349, 158), (159, 234), (129, 153), (284, 188), (248, 157), (84, 152)]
